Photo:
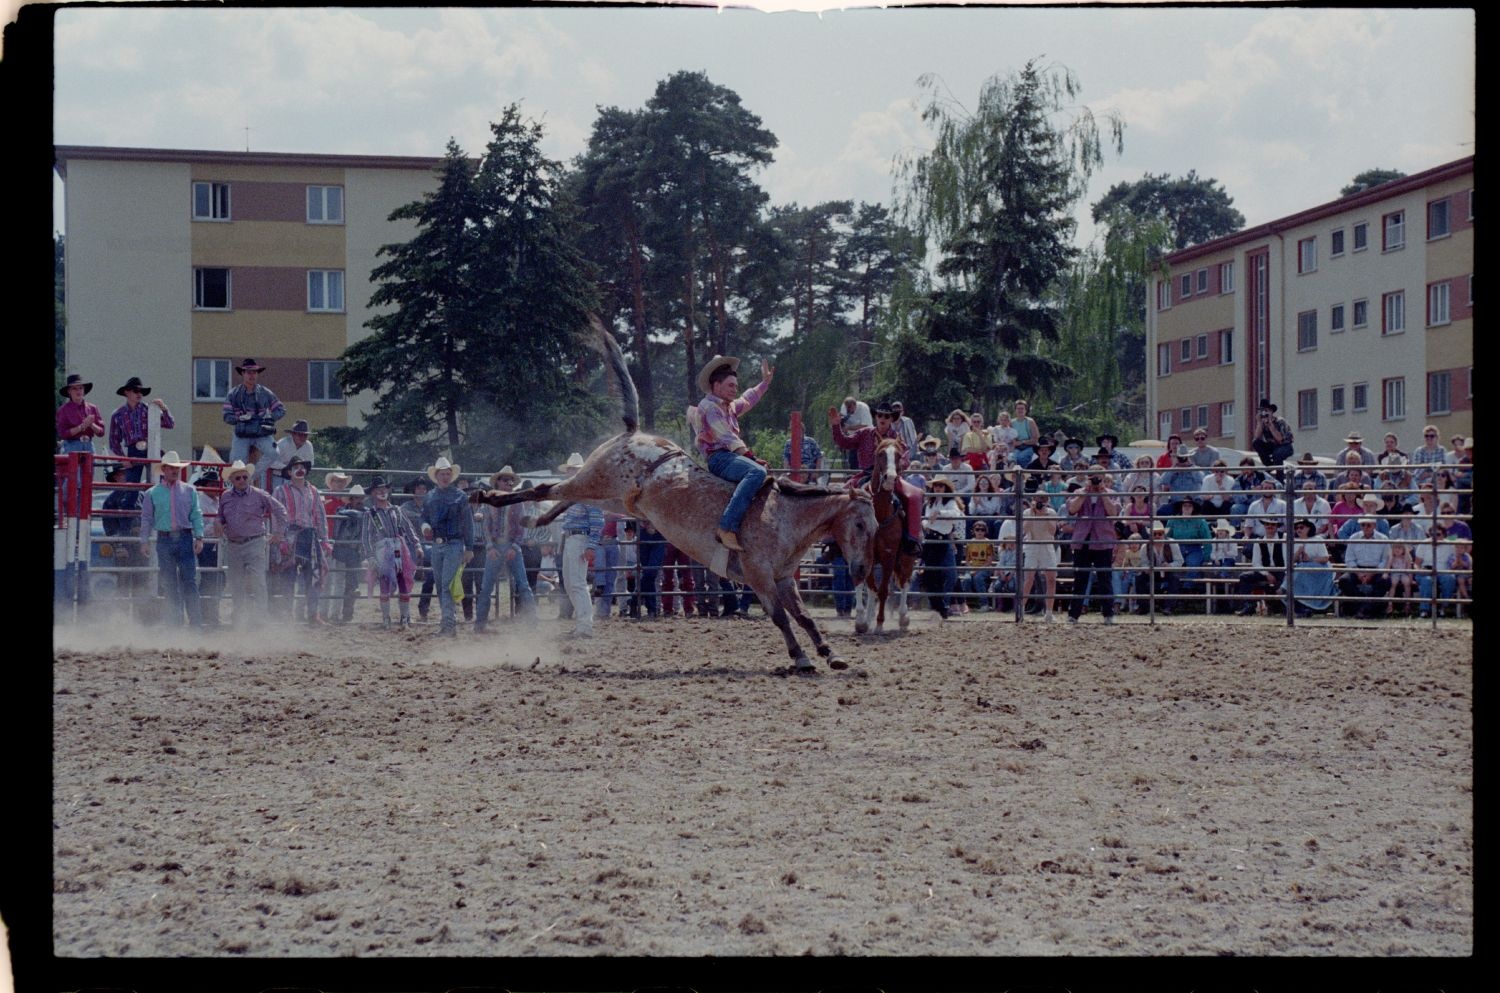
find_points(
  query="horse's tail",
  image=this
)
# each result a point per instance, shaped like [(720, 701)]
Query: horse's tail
[(630, 403)]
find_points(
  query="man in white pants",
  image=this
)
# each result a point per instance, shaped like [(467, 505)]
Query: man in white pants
[(583, 530)]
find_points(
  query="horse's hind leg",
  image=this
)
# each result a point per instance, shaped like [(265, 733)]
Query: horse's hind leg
[(788, 595), (800, 662)]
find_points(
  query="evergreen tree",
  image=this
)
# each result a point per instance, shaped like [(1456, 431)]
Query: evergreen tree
[(1195, 210), (1369, 178)]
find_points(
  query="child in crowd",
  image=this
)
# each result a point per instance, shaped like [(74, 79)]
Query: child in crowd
[(1403, 580)]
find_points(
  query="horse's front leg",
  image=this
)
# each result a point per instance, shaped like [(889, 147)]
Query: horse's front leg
[(862, 595), (772, 603), (792, 600), (885, 590)]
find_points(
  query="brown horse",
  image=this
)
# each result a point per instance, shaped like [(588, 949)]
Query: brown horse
[(649, 477), (886, 558)]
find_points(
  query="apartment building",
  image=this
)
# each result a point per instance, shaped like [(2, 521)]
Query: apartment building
[(1354, 315), (180, 264)]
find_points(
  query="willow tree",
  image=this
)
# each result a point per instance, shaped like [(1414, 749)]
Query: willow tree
[(996, 195)]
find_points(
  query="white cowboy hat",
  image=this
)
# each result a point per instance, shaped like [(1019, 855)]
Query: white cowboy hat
[(356, 490), (170, 458), (1354, 436), (1222, 525), (575, 461), (506, 473), (713, 366), (442, 463), (337, 481), (238, 467)]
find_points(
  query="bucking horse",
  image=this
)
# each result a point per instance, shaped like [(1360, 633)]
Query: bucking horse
[(649, 477)]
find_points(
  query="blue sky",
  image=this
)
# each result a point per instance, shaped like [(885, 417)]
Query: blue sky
[(1281, 105)]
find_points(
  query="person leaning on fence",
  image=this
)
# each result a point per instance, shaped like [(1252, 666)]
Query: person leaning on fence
[(129, 425), (1094, 539), (393, 549), (941, 527), (252, 411), (1272, 436), (246, 513), (78, 421), (170, 513), (1312, 575)]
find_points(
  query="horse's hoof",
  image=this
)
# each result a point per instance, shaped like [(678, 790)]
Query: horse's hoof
[(860, 627), (834, 662), (803, 666)]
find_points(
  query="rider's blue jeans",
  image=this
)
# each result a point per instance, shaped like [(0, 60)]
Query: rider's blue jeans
[(737, 469)]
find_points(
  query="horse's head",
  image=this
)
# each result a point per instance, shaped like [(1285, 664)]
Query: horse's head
[(854, 529)]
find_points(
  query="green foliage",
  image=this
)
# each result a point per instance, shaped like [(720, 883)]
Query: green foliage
[(1369, 178), (1194, 210)]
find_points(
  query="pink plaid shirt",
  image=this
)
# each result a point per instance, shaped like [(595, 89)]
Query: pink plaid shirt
[(719, 420)]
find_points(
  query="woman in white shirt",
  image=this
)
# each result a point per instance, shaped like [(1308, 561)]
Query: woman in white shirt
[(942, 526)]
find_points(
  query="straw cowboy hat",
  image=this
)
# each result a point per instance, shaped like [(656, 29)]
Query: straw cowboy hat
[(134, 383), (171, 458), (1221, 525), (713, 366), (1307, 459), (356, 490), (505, 473), (574, 463), (440, 464), (249, 364), (74, 379), (929, 444), (337, 481), (235, 469), (1352, 437), (942, 481)]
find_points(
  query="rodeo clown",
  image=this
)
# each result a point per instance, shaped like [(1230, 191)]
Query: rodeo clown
[(719, 440), (863, 442)]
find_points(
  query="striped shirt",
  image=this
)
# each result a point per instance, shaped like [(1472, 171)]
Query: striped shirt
[(584, 518), (128, 427)]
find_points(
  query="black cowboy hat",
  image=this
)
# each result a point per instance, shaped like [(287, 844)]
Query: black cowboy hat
[(884, 407), (300, 427), (249, 364), (1046, 443), (73, 380), (296, 461), (134, 383), (1072, 442), (377, 482), (1268, 405), (1114, 442)]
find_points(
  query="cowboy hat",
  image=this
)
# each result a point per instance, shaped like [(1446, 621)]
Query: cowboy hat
[(1307, 459), (1113, 441), (379, 482), (299, 427), (713, 366), (1158, 528), (74, 379), (506, 473), (929, 444), (884, 409), (236, 469), (209, 477), (575, 462), (356, 491), (940, 481), (170, 458), (1352, 437), (1268, 405), (1184, 452), (1370, 500), (134, 383), (1046, 443), (1303, 522), (1073, 443), (115, 470), (286, 470), (337, 481), (249, 364), (1222, 525), (442, 463)]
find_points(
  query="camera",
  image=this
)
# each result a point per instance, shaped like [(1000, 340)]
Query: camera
[(1096, 480)]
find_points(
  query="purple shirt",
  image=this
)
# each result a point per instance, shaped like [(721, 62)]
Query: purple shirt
[(71, 414), (244, 515), (128, 426), (720, 427)]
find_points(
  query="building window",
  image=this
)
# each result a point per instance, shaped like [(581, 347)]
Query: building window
[(1226, 277), (1187, 350), (1187, 286), (1226, 419), (210, 289), (1226, 347), (210, 379), (1393, 398), (323, 382), (1164, 295), (325, 290), (1393, 231), (1336, 400), (1336, 318), (1164, 424), (1163, 360), (1361, 236), (1307, 409), (325, 205), (1437, 219), (1439, 393), (1307, 330), (1394, 319), (1335, 243), (1437, 304), (1361, 398), (1361, 313), (1202, 280), (1185, 418), (1203, 416), (210, 201), (1203, 346), (1307, 255)]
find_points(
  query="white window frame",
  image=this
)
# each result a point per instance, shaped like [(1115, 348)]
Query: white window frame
[(1446, 378), (1307, 409), (1226, 419), (218, 201), (1336, 318), (1164, 424), (1358, 392), (1226, 347), (1336, 400), (320, 196), (1393, 313), (1164, 294), (212, 367), (1335, 243), (198, 272), (1439, 311), (1354, 313), (1393, 399), (1359, 236), (1307, 255), (322, 375), (1393, 231), (1226, 277), (323, 281), (1307, 331), (1447, 207)]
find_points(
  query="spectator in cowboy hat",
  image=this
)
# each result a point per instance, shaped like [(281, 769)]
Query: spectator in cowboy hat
[(129, 425), (504, 534), (1355, 444), (1272, 436), (348, 526), (1308, 472), (393, 547), (447, 513), (1073, 459), (307, 532), (252, 410), (1108, 455), (245, 510), (170, 513), (294, 444), (78, 421)]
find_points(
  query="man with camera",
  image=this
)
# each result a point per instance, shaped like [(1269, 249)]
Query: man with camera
[(252, 410), (1094, 537), (1273, 436)]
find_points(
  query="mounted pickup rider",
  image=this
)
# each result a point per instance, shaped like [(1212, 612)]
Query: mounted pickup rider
[(719, 440), (863, 442)]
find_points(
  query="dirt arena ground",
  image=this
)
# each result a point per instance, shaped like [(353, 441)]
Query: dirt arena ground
[(972, 788)]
